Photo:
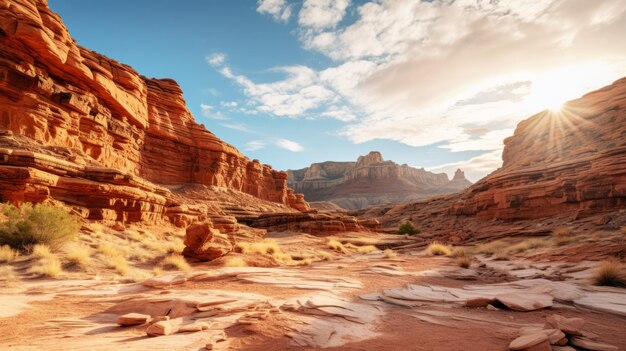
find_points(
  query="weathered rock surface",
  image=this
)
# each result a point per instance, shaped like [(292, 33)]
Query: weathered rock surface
[(133, 319), (558, 167), (309, 222), (87, 130), (370, 181)]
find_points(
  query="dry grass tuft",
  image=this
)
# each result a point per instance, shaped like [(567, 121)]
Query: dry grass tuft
[(438, 249), (7, 275), (492, 247), (175, 262), (562, 236), (464, 261), (78, 254), (366, 249), (267, 247), (7, 254), (458, 252), (119, 263), (235, 262), (41, 251), (611, 273), (325, 256), (49, 265), (389, 253), (336, 245)]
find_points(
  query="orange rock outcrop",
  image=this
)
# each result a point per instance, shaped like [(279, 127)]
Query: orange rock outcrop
[(92, 132), (559, 167)]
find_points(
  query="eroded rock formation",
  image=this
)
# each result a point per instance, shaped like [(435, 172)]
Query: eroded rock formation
[(558, 167), (371, 181), (87, 130)]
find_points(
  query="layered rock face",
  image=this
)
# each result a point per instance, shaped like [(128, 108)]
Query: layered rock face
[(558, 167), (370, 181), (90, 117)]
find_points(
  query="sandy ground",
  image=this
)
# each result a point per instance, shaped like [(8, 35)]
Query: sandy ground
[(77, 315)]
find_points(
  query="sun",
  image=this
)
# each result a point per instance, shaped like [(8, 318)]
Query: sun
[(551, 90)]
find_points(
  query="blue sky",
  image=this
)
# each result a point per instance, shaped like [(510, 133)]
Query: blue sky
[(434, 84)]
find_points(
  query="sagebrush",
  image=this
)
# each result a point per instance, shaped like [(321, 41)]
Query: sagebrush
[(24, 227), (408, 228)]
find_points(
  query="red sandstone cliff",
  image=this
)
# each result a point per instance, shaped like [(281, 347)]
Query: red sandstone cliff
[(93, 133), (558, 167), (370, 181)]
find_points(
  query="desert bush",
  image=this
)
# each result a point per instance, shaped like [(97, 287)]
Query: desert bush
[(408, 228), (438, 249), (7, 254), (119, 263), (611, 273), (39, 224), (175, 262)]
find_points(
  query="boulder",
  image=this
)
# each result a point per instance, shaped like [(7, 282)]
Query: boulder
[(571, 326), (161, 328), (525, 301), (206, 243)]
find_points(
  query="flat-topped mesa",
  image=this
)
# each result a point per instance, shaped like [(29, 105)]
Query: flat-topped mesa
[(71, 102), (369, 181), (372, 158)]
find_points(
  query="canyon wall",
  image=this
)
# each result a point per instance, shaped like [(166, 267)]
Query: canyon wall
[(370, 181), (69, 112), (558, 167)]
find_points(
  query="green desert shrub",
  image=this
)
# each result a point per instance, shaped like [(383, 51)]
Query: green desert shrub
[(24, 227), (408, 228)]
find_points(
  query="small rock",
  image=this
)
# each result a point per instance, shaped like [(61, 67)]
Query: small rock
[(209, 346), (133, 319), (165, 281), (529, 340), (194, 327), (492, 308), (571, 326), (478, 302), (555, 336), (160, 328), (588, 344)]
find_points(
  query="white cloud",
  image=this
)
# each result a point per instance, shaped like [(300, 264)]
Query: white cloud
[(216, 59), (475, 168), (288, 145), (280, 10), (237, 126), (230, 104), (298, 93), (434, 72), (320, 14), (208, 111), (255, 145)]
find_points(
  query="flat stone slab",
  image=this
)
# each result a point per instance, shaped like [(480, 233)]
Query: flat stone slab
[(133, 319)]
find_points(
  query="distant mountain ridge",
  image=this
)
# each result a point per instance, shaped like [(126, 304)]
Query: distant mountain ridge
[(371, 181)]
